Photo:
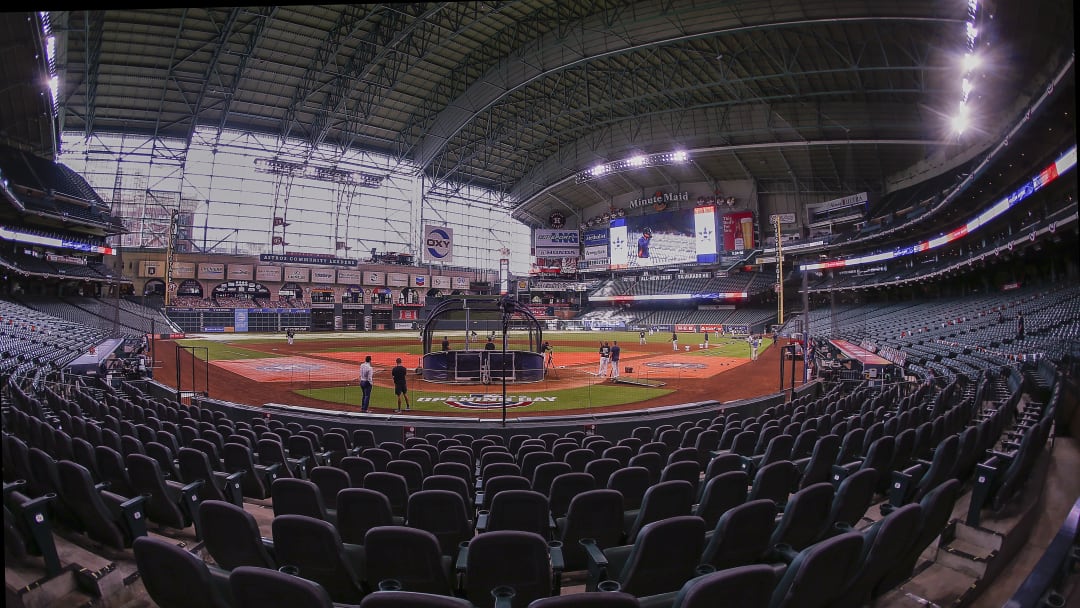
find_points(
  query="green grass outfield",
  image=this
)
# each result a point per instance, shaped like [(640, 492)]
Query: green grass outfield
[(223, 348), (598, 395)]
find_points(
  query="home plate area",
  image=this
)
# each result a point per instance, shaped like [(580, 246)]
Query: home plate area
[(290, 369), (684, 366)]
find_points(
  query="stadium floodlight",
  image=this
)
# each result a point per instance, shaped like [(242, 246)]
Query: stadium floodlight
[(972, 32), (970, 62), (966, 87), (637, 161)]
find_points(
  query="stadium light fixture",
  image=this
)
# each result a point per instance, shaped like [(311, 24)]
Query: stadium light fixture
[(970, 62), (636, 161)]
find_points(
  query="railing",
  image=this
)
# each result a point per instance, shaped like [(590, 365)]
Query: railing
[(1043, 585)]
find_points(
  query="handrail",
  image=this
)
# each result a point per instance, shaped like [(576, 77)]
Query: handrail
[(1050, 568)]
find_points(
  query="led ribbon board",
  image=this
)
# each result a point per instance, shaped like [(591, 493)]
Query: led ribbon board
[(1059, 167), (48, 241)]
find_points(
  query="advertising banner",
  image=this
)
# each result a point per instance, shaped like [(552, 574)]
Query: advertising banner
[(397, 279), (349, 277), (151, 268), (738, 230), (322, 275), (420, 281), (705, 234), (598, 253), (440, 282), (300, 258), (297, 274), (183, 270), (556, 252), (562, 239), (374, 277), (211, 271), (438, 244), (240, 320), (240, 272), (461, 282), (270, 274), (595, 237)]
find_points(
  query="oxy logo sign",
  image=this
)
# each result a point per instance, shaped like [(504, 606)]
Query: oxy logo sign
[(438, 244), (484, 401)]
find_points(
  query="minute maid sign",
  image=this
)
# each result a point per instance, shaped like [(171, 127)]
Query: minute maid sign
[(438, 245), (485, 401)]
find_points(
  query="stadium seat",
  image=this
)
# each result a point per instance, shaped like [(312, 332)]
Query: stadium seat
[(315, 549), (819, 574), (741, 587), (443, 514), (176, 578), (233, 538), (663, 557), (741, 536), (410, 557), (259, 587), (721, 493), (595, 514), (533, 573)]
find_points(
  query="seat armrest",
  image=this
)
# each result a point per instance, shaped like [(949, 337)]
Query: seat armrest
[(482, 521), (101, 487), (596, 563), (134, 516), (232, 489), (504, 596), (478, 501), (558, 565), (784, 553), (12, 486), (462, 561)]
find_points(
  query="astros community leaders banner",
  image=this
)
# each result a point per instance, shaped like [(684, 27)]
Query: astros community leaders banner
[(438, 244)]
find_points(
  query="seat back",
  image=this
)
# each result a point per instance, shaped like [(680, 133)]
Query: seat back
[(441, 513), (160, 507), (601, 470), (596, 514), (740, 587), (259, 588), (565, 487), (391, 485), (359, 510), (775, 482), (330, 481), (819, 574), (356, 467), (450, 483), (662, 501), (941, 466), (314, 547), (232, 536), (410, 470), (174, 577), (631, 482), (883, 544), (937, 508), (824, 456), (78, 492), (742, 535), (852, 499), (408, 555), (238, 457), (653, 462), (721, 493), (529, 573), (297, 497), (523, 510), (805, 517), (664, 556)]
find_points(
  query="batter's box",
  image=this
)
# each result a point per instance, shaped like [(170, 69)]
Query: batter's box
[(290, 369)]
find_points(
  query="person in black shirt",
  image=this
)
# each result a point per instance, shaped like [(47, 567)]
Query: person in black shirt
[(398, 372), (445, 343), (1019, 325), (490, 344)]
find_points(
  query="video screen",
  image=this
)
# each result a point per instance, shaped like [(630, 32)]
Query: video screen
[(659, 239)]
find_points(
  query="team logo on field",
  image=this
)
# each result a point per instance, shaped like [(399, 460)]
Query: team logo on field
[(289, 367), (485, 402), (675, 365)]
